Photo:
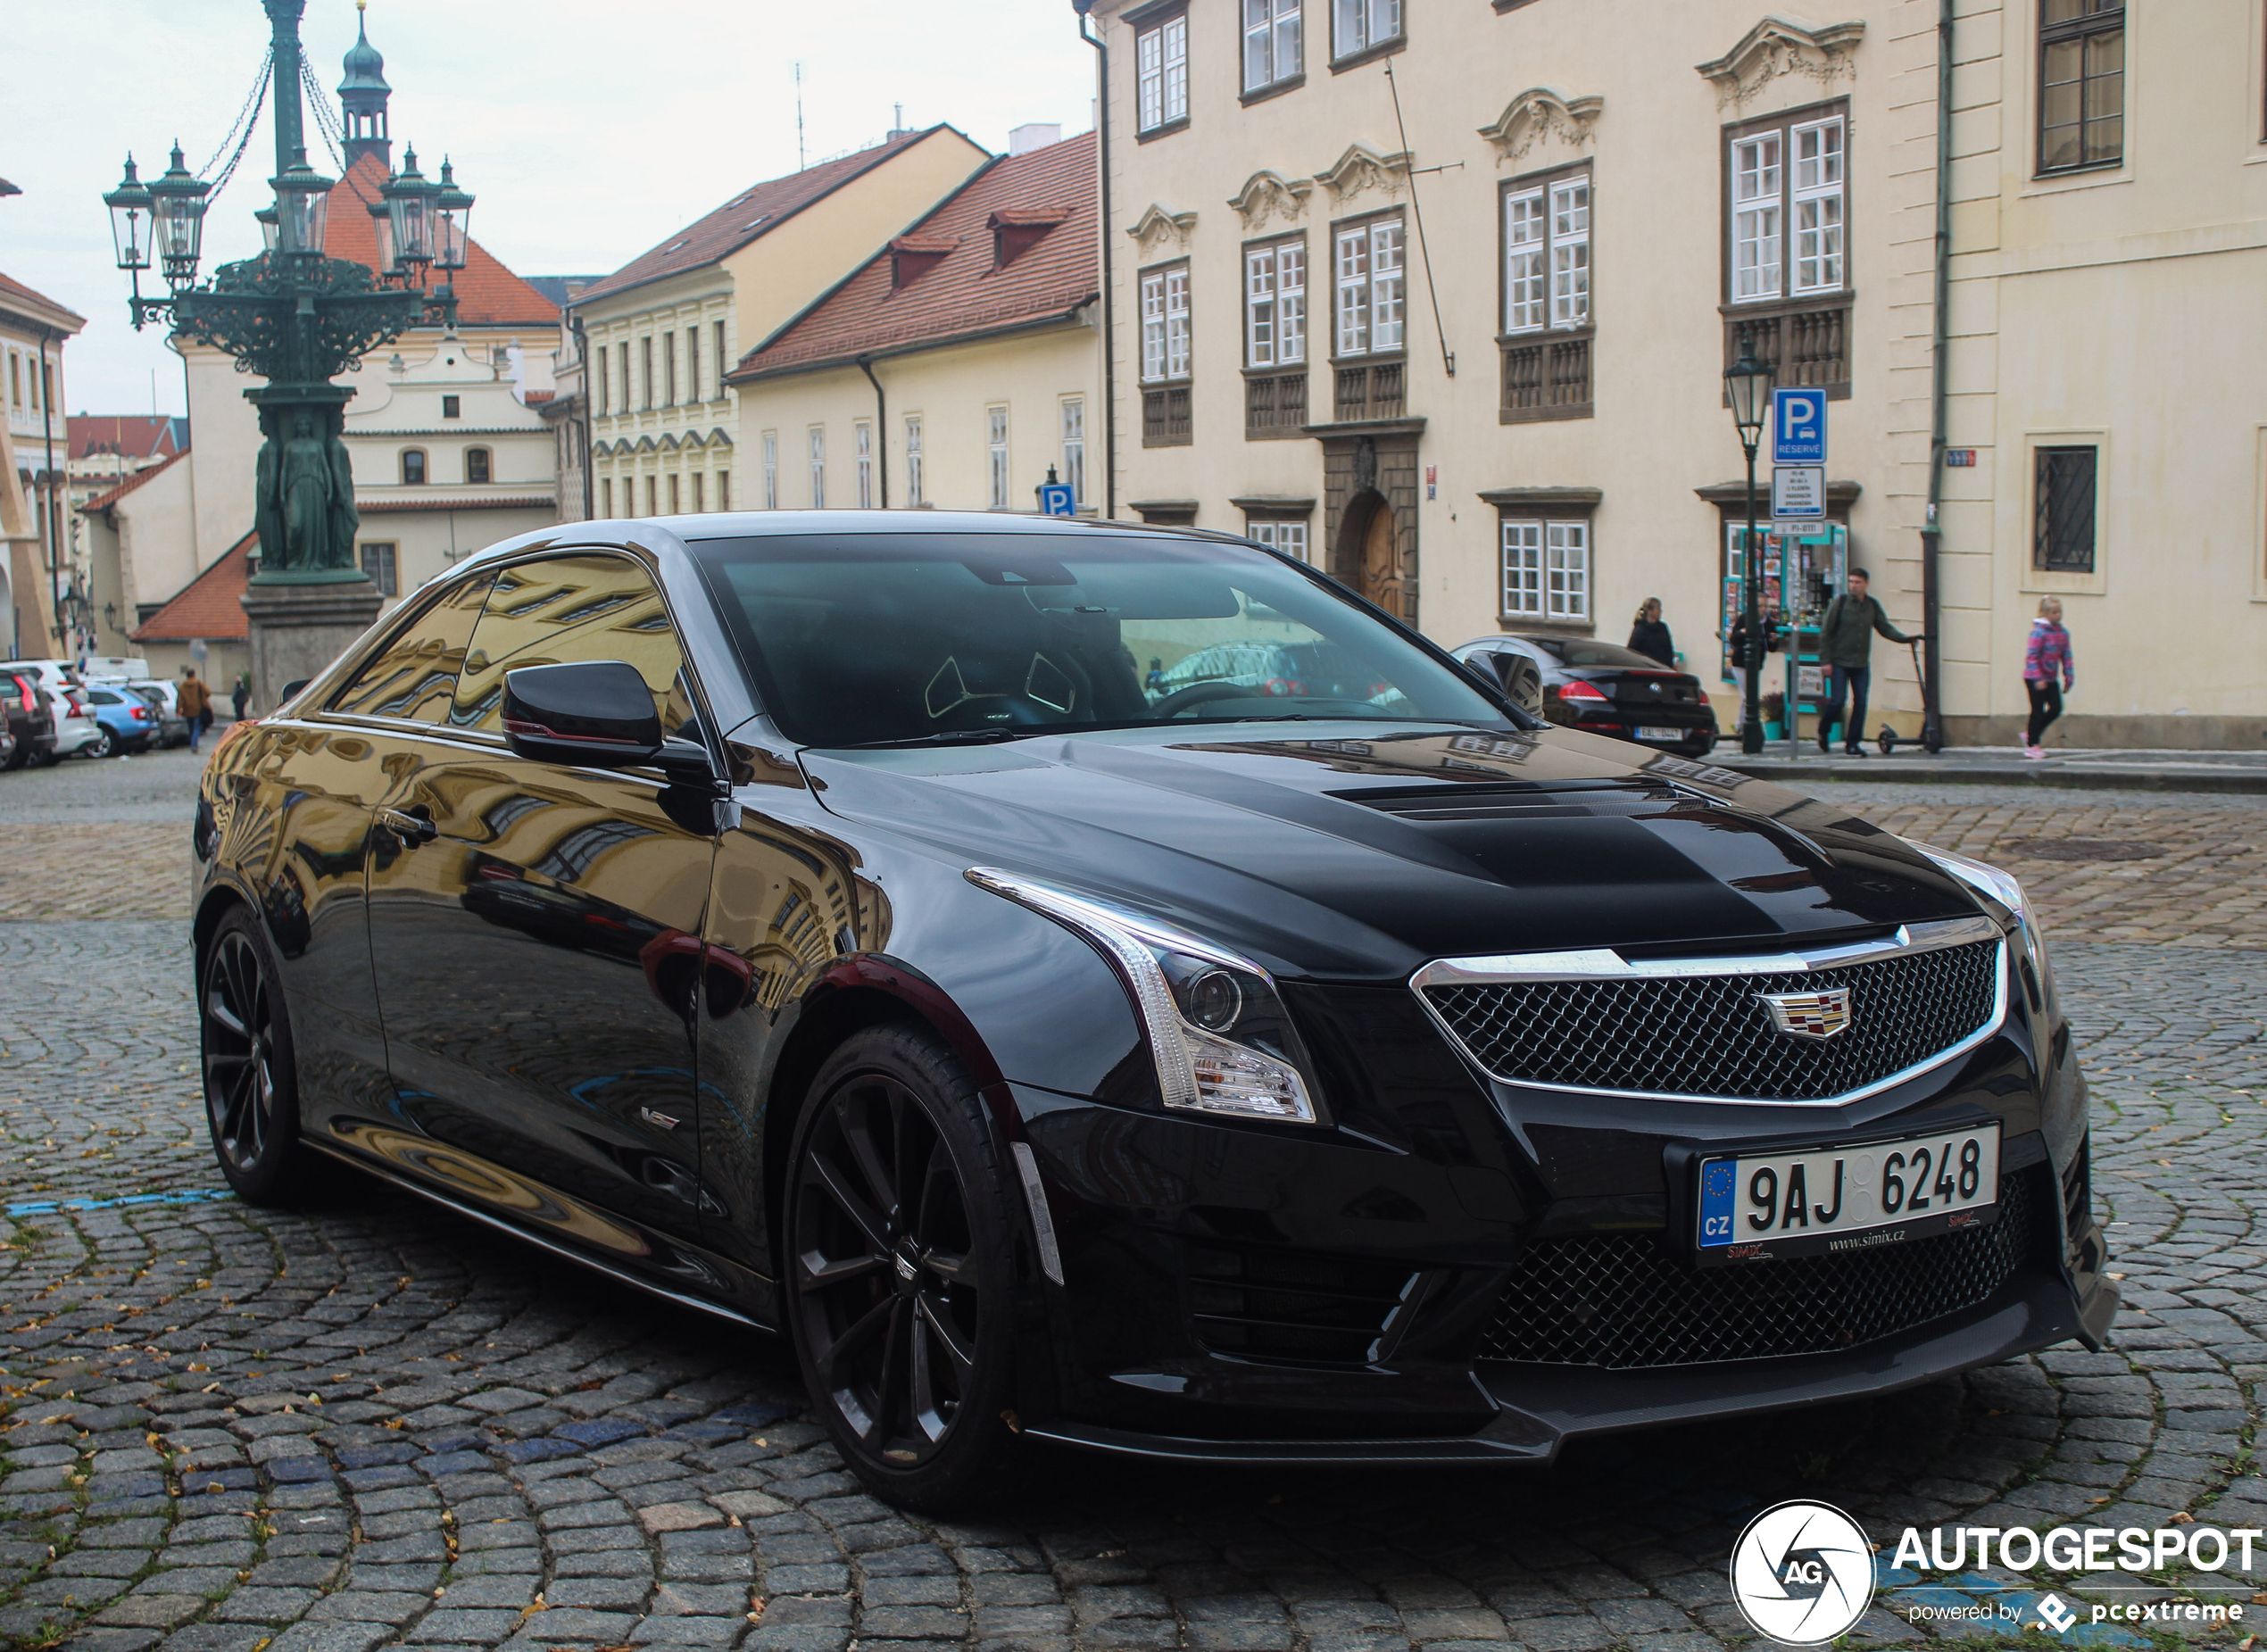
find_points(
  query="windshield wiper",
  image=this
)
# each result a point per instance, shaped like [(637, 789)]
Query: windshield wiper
[(942, 738)]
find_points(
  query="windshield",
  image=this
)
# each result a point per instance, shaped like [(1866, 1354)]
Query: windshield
[(855, 639)]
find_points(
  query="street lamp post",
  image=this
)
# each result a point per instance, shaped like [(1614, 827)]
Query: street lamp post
[(1746, 384), (293, 317)]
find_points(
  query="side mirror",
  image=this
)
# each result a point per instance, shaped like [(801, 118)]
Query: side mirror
[(1522, 681), (596, 712)]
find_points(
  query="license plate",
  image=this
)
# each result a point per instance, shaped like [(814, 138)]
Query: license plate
[(1665, 733), (1848, 1199)]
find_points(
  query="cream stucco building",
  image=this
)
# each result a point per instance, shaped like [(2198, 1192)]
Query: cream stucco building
[(1442, 296), (955, 369), (34, 443), (659, 333)]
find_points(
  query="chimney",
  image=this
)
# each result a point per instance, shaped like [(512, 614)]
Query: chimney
[(1023, 139)]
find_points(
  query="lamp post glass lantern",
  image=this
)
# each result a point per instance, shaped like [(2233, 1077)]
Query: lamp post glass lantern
[(130, 205), (178, 209), (1746, 384), (452, 226)]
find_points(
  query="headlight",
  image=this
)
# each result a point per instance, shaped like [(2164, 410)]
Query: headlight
[(1216, 1027), (2001, 886)]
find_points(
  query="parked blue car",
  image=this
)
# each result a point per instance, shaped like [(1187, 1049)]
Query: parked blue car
[(127, 722)]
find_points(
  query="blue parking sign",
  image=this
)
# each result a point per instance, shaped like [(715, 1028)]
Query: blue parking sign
[(1055, 499), (1798, 426)]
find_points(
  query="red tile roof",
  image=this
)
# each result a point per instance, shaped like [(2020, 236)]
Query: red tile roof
[(211, 606), (135, 435), (965, 291), (10, 287), (749, 215), (487, 294), (104, 500)]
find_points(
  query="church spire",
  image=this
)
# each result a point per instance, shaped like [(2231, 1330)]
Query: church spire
[(363, 98)]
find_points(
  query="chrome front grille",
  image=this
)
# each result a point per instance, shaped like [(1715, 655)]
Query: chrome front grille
[(1698, 1029)]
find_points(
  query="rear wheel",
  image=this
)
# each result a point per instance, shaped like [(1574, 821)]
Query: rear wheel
[(251, 1092), (101, 745), (900, 1269)]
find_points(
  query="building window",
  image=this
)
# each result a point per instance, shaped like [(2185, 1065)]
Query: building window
[(724, 490), (1074, 471), (771, 471), (624, 357), (700, 502), (2062, 510), (645, 361), (605, 394), (2081, 84), (692, 364), (1547, 570), (1270, 43), (862, 450), (1161, 73), (916, 472), (380, 564), (1768, 192), (1546, 297), (818, 467), (1286, 537), (1165, 356), (996, 452), (721, 360), (1371, 283), (653, 495), (1362, 24), (669, 369), (414, 467), (1274, 306), (452, 407), (606, 496), (676, 506), (476, 465)]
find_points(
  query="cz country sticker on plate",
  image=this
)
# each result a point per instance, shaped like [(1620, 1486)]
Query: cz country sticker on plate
[(1835, 1200)]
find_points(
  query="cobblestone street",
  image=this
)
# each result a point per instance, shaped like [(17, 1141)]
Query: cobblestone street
[(370, 1423)]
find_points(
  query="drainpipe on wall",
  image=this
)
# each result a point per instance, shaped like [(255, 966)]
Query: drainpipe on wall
[(881, 426), (1932, 526), (1110, 288), (47, 426), (582, 355)]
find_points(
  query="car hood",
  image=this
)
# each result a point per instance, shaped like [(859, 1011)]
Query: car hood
[(1348, 853)]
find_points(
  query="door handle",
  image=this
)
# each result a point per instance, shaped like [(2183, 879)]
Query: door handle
[(411, 829)]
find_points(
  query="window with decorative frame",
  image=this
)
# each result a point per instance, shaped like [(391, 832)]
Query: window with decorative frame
[(669, 368), (692, 364), (1287, 534), (1360, 25), (1787, 275), (1547, 323), (382, 562), (1161, 73), (818, 467), (622, 354), (604, 399), (478, 465), (995, 420), (1275, 338), (1369, 310), (771, 471), (1074, 471), (1164, 355), (606, 497), (917, 478), (414, 467), (723, 361), (2062, 509), (675, 494), (862, 451), (2081, 84), (1545, 568), (1271, 44), (645, 360)]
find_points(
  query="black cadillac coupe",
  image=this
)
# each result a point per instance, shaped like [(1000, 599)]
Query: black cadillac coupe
[(945, 940)]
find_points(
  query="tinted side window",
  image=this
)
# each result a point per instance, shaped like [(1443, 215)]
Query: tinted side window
[(415, 675), (566, 608)]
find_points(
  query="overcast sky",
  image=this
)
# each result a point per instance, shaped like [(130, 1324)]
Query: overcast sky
[(588, 130)]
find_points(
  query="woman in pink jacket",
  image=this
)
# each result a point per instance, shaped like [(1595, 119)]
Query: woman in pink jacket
[(2047, 673)]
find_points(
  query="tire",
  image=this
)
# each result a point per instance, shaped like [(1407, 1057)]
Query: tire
[(101, 745), (51, 756), (899, 1263), (250, 1080)]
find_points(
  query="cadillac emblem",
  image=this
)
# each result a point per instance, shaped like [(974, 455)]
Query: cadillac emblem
[(1809, 1015)]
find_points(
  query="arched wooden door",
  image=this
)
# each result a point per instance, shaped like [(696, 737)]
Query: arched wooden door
[(1381, 580)]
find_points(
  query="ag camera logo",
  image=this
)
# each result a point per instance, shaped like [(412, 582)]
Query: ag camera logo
[(1802, 1572)]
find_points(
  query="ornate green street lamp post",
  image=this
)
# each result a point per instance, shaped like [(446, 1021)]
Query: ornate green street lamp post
[(1746, 384), (293, 317)]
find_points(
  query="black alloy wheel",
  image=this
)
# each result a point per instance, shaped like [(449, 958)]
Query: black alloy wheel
[(102, 745), (900, 1267), (250, 1098)]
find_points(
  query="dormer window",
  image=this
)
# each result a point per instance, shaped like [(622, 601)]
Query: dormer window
[(911, 257), (1015, 233)]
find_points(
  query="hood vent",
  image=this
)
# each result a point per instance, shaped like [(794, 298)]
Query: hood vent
[(1516, 800)]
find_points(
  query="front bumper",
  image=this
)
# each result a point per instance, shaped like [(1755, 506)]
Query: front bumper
[(1253, 1294)]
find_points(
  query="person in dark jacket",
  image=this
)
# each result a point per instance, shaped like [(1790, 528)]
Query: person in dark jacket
[(1649, 636), (1845, 647)]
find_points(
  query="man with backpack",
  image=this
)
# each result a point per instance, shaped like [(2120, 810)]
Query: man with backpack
[(1845, 647)]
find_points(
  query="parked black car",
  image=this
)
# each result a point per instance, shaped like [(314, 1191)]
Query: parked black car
[(1602, 688), (826, 920), (29, 720)]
